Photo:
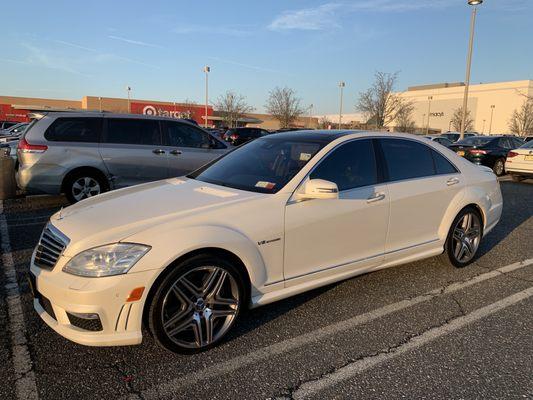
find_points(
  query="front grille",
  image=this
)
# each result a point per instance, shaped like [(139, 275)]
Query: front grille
[(89, 324), (50, 247)]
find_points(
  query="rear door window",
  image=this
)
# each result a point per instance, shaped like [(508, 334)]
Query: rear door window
[(132, 131), (407, 159), (442, 165), (84, 130)]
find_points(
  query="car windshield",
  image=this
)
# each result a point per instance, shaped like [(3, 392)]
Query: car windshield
[(527, 145), (475, 141), (264, 165)]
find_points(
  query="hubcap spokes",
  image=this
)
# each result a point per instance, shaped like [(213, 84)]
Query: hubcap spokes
[(466, 237), (200, 307), (85, 187)]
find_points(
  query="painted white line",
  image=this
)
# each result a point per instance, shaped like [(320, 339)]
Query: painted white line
[(25, 384), (350, 370), (172, 386)]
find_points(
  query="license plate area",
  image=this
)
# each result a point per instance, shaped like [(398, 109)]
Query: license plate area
[(528, 157)]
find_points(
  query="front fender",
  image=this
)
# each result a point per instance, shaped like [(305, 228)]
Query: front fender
[(167, 246)]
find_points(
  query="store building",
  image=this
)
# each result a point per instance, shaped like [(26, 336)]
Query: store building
[(18, 108), (491, 105)]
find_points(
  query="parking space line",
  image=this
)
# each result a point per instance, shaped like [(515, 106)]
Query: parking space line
[(172, 386), (25, 383), (310, 388)]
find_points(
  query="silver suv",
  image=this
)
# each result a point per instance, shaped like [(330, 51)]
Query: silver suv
[(84, 154)]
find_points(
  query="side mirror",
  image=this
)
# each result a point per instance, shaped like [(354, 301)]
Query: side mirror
[(318, 189)]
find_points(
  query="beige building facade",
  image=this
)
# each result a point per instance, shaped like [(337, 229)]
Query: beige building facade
[(491, 105)]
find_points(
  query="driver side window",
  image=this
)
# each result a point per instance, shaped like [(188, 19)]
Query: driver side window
[(350, 166)]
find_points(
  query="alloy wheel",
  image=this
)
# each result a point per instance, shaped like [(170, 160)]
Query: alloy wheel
[(85, 187), (499, 168), (200, 307), (466, 237)]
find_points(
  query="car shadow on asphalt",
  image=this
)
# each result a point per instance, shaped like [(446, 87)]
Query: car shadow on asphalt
[(514, 214)]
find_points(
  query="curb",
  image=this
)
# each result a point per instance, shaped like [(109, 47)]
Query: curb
[(35, 202)]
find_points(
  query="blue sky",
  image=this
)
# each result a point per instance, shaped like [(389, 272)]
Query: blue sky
[(68, 49)]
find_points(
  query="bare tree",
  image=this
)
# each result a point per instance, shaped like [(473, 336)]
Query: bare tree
[(324, 123), (232, 106), (521, 122), (379, 103), (457, 118), (284, 106), (404, 119)]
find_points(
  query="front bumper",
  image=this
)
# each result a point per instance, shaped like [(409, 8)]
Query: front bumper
[(121, 321)]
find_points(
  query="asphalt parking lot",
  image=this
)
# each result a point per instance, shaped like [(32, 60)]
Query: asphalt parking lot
[(416, 331)]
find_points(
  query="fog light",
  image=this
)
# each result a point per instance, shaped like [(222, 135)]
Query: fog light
[(85, 321)]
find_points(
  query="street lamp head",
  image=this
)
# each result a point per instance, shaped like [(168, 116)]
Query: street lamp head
[(474, 2), (342, 84), (207, 69)]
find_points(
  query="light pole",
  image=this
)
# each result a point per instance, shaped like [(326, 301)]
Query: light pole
[(491, 114), (128, 89), (483, 129), (341, 86), (207, 69), (100, 103), (423, 122), (473, 3), (429, 113), (310, 112), (450, 126)]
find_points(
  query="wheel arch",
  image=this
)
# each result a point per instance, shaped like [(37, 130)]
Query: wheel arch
[(77, 170), (213, 251)]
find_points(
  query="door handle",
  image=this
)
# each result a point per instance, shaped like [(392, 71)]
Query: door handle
[(375, 197), (175, 152), (158, 151), (452, 181)]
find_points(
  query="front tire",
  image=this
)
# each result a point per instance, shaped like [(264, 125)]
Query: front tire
[(196, 304), (463, 239)]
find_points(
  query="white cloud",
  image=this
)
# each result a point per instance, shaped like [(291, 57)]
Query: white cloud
[(309, 19), (135, 42), (184, 29), (327, 16)]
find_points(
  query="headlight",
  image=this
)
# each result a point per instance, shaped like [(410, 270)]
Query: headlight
[(112, 259)]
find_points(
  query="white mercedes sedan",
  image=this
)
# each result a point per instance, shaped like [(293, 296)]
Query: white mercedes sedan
[(280, 215)]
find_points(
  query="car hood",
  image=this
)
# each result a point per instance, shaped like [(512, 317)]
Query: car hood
[(113, 216)]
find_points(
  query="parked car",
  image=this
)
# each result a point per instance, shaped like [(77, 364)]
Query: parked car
[(85, 154), (278, 216), (7, 124), (10, 149), (454, 136), (13, 132), (238, 136), (490, 151), (519, 163), (528, 138), (440, 139)]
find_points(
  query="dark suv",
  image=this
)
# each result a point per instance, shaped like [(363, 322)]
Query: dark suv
[(490, 151), (238, 136)]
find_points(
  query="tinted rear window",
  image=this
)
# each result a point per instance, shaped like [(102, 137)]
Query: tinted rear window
[(475, 141), (84, 130), (407, 159), (442, 165), (132, 131)]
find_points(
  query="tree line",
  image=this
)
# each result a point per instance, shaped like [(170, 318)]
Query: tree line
[(381, 105)]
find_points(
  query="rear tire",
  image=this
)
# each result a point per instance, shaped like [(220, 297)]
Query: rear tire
[(499, 167), (196, 304), (464, 237), (82, 184)]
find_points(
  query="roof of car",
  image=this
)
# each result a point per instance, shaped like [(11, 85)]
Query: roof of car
[(325, 136)]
